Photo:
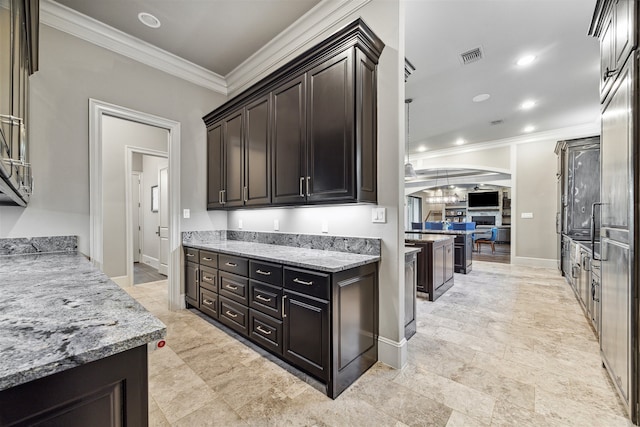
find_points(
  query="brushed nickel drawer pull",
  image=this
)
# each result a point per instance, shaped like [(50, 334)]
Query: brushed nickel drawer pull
[(208, 302), (231, 287), (204, 258), (301, 183), (207, 278), (230, 314), (308, 180), (302, 282), (263, 331), (261, 298), (264, 273), (231, 264), (283, 313), (190, 255)]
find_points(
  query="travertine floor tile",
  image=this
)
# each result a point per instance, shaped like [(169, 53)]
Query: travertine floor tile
[(506, 346)]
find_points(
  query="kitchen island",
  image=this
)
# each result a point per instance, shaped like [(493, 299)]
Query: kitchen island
[(463, 247), (310, 300), (72, 342), (435, 263)]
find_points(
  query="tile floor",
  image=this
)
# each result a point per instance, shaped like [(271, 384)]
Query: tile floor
[(506, 346)]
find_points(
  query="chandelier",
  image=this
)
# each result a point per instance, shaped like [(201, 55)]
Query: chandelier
[(441, 195)]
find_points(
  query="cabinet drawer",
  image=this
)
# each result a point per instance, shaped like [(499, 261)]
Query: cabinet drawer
[(209, 278), (234, 287), (265, 298), (234, 264), (209, 303), (191, 255), (265, 331), (234, 315), (307, 282), (266, 272), (210, 259)]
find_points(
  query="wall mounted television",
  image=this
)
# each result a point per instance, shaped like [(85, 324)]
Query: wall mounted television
[(484, 199)]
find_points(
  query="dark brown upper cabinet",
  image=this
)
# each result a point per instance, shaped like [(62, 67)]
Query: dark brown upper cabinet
[(309, 130)]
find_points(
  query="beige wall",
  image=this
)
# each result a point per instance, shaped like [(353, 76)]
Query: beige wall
[(116, 135), (151, 221), (492, 158), (535, 192), (387, 21), (71, 72)]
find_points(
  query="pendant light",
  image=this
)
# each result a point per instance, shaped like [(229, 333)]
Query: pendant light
[(409, 171), (443, 197)]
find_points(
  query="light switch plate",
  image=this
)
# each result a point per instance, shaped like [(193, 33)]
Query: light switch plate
[(276, 225), (186, 213), (325, 226), (526, 215), (379, 215)]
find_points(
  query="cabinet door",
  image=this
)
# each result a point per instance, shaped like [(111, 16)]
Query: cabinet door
[(306, 334), (191, 286), (234, 161), (367, 129), (257, 166), (215, 166), (331, 144), (288, 142), (607, 57), (448, 262), (5, 85), (624, 38), (438, 266)]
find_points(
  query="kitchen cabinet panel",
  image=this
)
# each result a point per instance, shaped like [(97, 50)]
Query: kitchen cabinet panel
[(366, 128), (330, 130), (233, 161), (257, 167), (215, 166), (191, 283), (289, 142)]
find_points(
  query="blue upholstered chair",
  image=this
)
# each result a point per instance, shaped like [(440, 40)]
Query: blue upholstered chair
[(416, 226), (487, 240)]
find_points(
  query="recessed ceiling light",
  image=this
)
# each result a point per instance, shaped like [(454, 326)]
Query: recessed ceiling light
[(482, 97), (422, 148), (452, 186), (527, 105), (149, 20), (460, 141), (526, 60), (529, 128)]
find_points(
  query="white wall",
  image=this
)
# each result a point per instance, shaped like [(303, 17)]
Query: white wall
[(386, 19), (71, 72), (151, 241)]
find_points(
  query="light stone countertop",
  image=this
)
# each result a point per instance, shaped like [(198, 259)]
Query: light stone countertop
[(454, 232), (315, 259), (423, 237), (57, 311)]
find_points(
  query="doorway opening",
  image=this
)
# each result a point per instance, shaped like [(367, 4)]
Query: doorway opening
[(102, 199)]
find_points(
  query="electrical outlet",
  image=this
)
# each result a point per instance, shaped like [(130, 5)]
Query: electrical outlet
[(325, 226), (276, 225), (526, 215), (186, 213), (379, 215), (239, 224)]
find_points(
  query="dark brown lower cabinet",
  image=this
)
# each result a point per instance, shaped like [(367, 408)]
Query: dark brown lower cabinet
[(435, 264), (410, 283), (463, 247), (108, 392), (324, 324), (191, 283)]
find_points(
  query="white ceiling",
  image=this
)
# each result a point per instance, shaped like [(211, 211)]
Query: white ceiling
[(220, 34), (563, 80), (215, 34)]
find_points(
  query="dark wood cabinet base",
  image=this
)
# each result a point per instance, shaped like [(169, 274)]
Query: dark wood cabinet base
[(108, 392)]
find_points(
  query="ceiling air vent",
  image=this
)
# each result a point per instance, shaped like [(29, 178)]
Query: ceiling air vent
[(470, 56), (497, 122)]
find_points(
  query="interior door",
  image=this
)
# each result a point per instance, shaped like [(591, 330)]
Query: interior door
[(136, 187), (163, 190)]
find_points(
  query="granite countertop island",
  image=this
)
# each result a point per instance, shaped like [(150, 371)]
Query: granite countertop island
[(421, 237), (317, 259), (58, 312), (452, 232)]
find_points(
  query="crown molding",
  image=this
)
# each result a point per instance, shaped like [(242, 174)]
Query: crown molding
[(588, 129), (299, 36), (69, 21)]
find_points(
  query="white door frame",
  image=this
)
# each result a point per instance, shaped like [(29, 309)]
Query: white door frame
[(129, 150), (97, 110), (135, 211)]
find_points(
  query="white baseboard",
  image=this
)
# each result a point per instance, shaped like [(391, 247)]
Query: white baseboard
[(392, 353), (122, 281), (535, 262), (153, 262)]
